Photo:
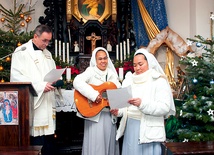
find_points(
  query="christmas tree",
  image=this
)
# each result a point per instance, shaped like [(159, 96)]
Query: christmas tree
[(12, 33), (195, 114)]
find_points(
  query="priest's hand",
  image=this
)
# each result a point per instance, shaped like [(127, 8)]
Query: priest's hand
[(48, 87)]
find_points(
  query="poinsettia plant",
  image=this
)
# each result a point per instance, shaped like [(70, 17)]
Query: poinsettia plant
[(127, 65), (74, 69)]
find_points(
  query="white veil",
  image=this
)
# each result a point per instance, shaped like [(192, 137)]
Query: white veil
[(93, 59)]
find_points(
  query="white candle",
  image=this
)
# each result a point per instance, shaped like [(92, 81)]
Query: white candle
[(68, 53), (56, 42), (60, 52), (117, 52), (121, 52), (124, 50), (121, 74), (68, 74), (128, 48), (63, 52)]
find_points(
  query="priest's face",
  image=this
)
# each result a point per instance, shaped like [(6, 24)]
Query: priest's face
[(101, 60), (42, 41)]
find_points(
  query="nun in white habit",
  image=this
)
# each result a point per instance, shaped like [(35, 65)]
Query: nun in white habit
[(99, 131), (142, 123)]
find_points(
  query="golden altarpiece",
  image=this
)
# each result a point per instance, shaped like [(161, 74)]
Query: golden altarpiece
[(89, 23)]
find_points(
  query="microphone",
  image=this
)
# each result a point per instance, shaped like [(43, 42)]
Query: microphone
[(58, 83), (21, 49)]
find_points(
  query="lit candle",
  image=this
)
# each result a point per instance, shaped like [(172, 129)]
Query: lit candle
[(60, 52), (121, 52), (63, 52), (68, 53), (124, 50), (68, 74), (121, 74), (56, 42), (117, 52), (128, 48)]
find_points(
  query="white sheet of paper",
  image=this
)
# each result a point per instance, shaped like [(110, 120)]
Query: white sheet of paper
[(54, 75), (118, 98)]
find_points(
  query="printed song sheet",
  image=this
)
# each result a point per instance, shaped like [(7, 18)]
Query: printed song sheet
[(54, 75), (118, 98)]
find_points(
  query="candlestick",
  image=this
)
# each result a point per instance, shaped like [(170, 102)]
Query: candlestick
[(128, 47), (121, 73), (60, 52), (68, 53), (63, 52), (121, 52), (117, 52), (68, 74), (56, 42), (124, 50)]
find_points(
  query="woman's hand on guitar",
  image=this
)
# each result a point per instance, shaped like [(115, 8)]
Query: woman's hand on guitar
[(98, 99), (114, 112)]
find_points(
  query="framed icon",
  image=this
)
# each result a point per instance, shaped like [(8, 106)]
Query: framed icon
[(84, 10)]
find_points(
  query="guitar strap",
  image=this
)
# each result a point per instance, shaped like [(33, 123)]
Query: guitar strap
[(106, 77)]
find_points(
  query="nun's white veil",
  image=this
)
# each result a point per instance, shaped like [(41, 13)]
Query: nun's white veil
[(93, 59), (153, 64)]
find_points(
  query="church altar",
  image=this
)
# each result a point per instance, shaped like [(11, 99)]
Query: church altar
[(68, 102)]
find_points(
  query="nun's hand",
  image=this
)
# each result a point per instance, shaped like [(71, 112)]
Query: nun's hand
[(135, 101), (114, 112)]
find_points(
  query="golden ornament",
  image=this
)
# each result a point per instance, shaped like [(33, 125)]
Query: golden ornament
[(2, 19), (8, 59), (22, 24), (1, 68), (29, 18), (2, 80), (21, 15), (19, 44)]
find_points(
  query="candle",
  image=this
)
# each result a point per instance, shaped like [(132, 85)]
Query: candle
[(63, 52), (68, 53), (56, 42), (60, 52), (121, 52), (128, 48), (121, 74), (68, 74), (124, 50), (117, 52)]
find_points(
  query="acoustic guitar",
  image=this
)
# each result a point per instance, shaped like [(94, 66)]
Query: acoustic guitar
[(86, 107)]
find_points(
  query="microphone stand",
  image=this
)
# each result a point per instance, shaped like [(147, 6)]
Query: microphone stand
[(5, 56)]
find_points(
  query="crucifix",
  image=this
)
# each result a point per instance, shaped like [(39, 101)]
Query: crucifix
[(93, 39)]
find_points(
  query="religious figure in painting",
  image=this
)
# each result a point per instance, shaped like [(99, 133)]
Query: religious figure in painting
[(92, 8), (93, 39)]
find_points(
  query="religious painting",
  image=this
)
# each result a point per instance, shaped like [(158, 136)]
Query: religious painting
[(9, 108), (84, 10)]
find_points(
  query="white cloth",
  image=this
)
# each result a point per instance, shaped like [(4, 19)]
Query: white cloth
[(157, 102), (99, 131), (32, 65)]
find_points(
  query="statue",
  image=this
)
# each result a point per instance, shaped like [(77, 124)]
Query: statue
[(109, 47), (76, 46), (93, 39)]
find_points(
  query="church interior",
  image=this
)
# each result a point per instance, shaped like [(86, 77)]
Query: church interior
[(120, 26)]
